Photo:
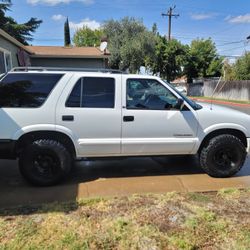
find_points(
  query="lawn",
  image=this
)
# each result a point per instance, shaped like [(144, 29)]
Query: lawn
[(164, 221)]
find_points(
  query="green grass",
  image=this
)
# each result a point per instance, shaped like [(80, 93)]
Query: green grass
[(199, 197), (152, 221), (220, 99), (229, 193)]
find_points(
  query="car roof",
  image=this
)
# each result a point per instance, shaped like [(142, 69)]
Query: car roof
[(99, 72)]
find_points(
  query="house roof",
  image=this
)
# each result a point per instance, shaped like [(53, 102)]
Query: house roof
[(13, 40), (64, 52), (57, 51)]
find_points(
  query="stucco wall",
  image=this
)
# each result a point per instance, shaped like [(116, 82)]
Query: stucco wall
[(13, 49), (68, 62)]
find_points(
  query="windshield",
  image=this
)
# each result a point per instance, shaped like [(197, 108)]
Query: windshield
[(192, 103)]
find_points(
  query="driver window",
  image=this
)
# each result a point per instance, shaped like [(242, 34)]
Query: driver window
[(149, 94)]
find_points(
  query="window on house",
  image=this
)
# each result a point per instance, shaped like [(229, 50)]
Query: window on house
[(26, 90), (93, 92), (2, 63), (8, 61), (5, 61)]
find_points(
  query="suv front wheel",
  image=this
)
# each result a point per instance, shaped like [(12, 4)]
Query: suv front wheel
[(45, 162), (223, 156)]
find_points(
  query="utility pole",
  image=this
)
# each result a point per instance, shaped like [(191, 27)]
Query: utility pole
[(170, 15)]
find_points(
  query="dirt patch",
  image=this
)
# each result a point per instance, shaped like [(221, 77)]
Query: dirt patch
[(168, 221)]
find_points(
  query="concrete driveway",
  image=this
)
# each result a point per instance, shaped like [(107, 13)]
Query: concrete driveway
[(115, 178)]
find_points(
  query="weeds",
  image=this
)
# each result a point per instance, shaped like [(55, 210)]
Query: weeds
[(166, 221)]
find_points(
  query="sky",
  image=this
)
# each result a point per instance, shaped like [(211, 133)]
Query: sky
[(227, 22)]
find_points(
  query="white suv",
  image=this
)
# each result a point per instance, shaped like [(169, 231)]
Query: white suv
[(49, 117)]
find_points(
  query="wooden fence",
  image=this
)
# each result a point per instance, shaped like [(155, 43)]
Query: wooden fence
[(231, 90)]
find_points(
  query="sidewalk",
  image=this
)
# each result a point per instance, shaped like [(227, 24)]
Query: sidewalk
[(116, 178)]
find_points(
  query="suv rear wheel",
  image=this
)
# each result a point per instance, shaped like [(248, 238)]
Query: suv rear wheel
[(223, 156), (45, 162)]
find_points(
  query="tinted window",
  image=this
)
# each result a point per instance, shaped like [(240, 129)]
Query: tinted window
[(26, 90), (75, 96), (149, 94), (93, 92)]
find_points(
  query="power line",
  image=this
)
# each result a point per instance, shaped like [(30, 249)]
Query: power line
[(170, 14), (229, 43), (241, 47)]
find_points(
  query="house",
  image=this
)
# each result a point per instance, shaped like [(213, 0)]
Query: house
[(14, 54), (73, 57), (11, 52)]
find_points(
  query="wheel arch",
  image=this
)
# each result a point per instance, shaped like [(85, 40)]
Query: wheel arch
[(236, 132), (29, 137)]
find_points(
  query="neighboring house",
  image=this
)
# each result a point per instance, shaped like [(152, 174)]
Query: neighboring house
[(74, 57), (14, 54)]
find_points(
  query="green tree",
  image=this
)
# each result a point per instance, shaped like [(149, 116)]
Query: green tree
[(229, 72), (129, 42), (202, 59), (242, 67), (155, 29), (22, 32), (170, 57), (67, 40), (88, 37)]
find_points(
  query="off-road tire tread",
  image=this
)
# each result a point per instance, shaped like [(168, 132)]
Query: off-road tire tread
[(225, 138), (62, 152)]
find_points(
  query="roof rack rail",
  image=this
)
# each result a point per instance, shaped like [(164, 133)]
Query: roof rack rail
[(26, 69)]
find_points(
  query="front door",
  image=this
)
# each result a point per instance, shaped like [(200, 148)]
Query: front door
[(89, 110), (152, 124)]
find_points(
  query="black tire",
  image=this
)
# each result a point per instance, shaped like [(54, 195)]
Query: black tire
[(45, 162), (223, 157)]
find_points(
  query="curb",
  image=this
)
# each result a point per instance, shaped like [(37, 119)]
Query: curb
[(222, 102)]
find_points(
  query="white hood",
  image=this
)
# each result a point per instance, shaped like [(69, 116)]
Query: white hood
[(211, 116)]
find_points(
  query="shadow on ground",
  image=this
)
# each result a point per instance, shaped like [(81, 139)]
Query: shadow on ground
[(93, 178)]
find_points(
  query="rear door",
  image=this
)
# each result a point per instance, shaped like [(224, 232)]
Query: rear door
[(90, 110)]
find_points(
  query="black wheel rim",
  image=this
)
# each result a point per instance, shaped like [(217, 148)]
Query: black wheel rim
[(226, 158), (45, 165)]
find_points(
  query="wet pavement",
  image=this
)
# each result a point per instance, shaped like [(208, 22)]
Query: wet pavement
[(118, 178)]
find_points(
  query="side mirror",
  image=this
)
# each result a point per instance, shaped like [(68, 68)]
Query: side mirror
[(180, 104)]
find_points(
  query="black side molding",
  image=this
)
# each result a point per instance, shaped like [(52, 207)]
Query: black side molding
[(7, 149)]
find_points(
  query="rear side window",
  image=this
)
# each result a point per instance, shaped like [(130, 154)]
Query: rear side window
[(93, 92), (26, 90)]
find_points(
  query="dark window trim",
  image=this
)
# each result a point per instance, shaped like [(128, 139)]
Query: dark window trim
[(81, 78), (172, 109), (39, 73), (195, 106)]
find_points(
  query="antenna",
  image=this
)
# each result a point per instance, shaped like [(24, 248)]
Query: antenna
[(103, 46)]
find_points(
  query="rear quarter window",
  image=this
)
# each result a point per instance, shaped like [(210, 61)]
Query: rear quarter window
[(93, 92), (26, 90)]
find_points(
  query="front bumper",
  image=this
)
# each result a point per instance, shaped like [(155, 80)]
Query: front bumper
[(248, 145)]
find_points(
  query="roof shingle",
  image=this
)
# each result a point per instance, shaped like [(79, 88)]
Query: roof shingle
[(58, 51)]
